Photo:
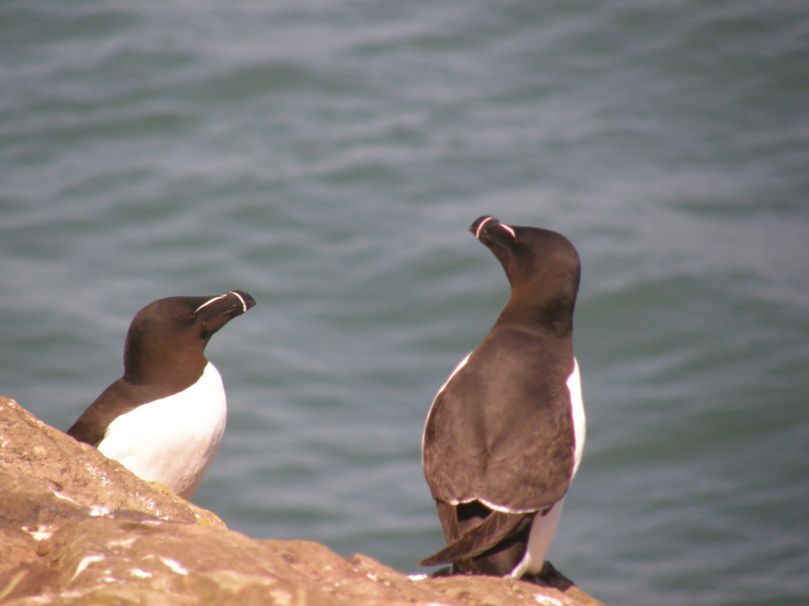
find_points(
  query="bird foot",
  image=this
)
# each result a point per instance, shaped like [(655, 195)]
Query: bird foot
[(549, 576)]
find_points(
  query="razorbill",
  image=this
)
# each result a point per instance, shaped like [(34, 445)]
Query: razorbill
[(165, 417), (504, 435)]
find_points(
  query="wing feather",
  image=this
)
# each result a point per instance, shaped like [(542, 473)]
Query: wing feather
[(495, 528)]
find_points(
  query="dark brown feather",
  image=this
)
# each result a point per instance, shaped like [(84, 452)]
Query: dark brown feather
[(501, 429), (493, 530)]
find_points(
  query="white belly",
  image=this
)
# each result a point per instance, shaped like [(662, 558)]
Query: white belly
[(543, 528), (172, 440), (579, 421)]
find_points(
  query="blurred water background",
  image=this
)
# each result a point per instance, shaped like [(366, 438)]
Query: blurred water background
[(328, 157)]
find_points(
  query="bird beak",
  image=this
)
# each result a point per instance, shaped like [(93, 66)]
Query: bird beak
[(232, 303), (489, 230)]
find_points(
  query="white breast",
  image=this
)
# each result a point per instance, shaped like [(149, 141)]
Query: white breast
[(172, 440)]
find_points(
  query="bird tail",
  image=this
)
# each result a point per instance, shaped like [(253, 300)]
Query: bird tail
[(495, 528)]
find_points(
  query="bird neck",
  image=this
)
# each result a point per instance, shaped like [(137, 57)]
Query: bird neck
[(554, 317), (175, 370)]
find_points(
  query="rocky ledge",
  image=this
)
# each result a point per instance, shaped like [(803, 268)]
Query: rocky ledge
[(77, 528)]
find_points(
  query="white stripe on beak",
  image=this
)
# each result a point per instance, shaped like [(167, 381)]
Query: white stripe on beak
[(509, 229), (239, 297), (209, 301), (480, 227)]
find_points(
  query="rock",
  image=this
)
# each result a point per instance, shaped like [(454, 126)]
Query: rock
[(78, 528)]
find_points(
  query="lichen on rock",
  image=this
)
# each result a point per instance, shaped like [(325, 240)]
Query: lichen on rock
[(78, 528)]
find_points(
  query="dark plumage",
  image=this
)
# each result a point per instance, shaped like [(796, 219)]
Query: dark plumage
[(169, 406), (499, 446)]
